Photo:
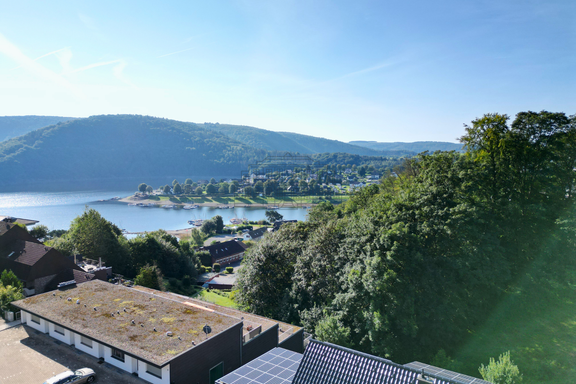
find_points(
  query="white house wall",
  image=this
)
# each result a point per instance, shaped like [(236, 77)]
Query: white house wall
[(127, 365), (98, 350), (151, 378), (42, 327), (94, 351), (67, 337)]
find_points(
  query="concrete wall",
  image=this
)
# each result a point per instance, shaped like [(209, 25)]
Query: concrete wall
[(67, 337), (94, 351), (295, 342), (260, 344), (193, 367), (42, 327), (151, 378), (128, 365)]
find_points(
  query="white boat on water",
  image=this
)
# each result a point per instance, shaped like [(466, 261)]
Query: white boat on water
[(149, 205), (235, 221), (132, 204), (169, 206)]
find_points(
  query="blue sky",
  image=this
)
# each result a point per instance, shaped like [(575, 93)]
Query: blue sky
[(345, 70)]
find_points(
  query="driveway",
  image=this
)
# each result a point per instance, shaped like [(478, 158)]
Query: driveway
[(30, 357)]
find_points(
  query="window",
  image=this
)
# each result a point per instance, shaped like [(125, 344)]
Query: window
[(86, 341), (154, 371), (117, 354), (35, 319), (58, 329)]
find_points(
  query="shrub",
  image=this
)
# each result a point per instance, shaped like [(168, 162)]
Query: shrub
[(173, 281), (230, 269), (503, 371), (216, 267), (186, 281)]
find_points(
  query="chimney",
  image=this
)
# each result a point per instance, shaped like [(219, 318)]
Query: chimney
[(75, 262), (99, 262)]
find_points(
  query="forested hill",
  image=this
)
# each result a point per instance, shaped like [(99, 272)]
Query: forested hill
[(415, 147), (14, 126), (118, 148), (293, 142), (458, 258)]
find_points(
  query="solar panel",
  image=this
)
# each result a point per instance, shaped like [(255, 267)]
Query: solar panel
[(444, 373), (276, 366)]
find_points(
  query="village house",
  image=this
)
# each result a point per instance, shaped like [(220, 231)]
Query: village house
[(161, 337), (327, 363), (256, 234), (39, 267), (226, 252)]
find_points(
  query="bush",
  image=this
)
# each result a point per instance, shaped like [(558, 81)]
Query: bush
[(504, 371), (186, 281), (229, 269), (216, 267), (173, 281)]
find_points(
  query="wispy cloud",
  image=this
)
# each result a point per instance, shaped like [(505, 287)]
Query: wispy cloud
[(382, 65), (47, 54), (118, 69), (173, 53), (95, 65), (35, 68)]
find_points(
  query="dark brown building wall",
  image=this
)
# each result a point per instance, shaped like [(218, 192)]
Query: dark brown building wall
[(295, 342), (193, 367), (260, 344)]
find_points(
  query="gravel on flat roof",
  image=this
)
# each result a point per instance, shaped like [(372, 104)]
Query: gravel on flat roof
[(133, 321)]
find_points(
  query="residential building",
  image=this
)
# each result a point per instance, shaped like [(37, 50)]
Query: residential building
[(39, 267), (226, 252), (256, 234), (163, 338), (332, 364)]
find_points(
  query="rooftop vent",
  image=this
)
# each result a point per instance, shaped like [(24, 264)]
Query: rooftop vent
[(155, 329), (142, 325), (95, 309), (169, 334), (69, 299), (133, 322), (78, 301), (53, 294)]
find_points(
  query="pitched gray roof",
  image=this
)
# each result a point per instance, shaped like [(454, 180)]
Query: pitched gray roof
[(325, 363)]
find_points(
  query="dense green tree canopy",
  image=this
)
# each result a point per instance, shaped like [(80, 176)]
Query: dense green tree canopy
[(413, 265)]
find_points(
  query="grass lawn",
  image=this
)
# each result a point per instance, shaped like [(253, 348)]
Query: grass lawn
[(537, 323), (213, 297)]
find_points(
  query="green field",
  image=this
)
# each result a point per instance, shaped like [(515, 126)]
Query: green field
[(537, 323), (242, 200)]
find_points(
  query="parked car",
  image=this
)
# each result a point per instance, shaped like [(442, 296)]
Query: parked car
[(84, 375)]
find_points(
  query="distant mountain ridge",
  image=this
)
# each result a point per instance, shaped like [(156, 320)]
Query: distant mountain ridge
[(120, 147), (14, 126), (415, 147), (293, 142)]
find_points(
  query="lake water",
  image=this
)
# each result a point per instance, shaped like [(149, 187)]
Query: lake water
[(57, 209)]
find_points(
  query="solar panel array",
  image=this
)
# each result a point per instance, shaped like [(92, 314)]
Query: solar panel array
[(277, 366), (444, 373), (325, 363)]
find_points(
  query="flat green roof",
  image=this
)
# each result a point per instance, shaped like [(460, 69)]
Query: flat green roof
[(125, 318)]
